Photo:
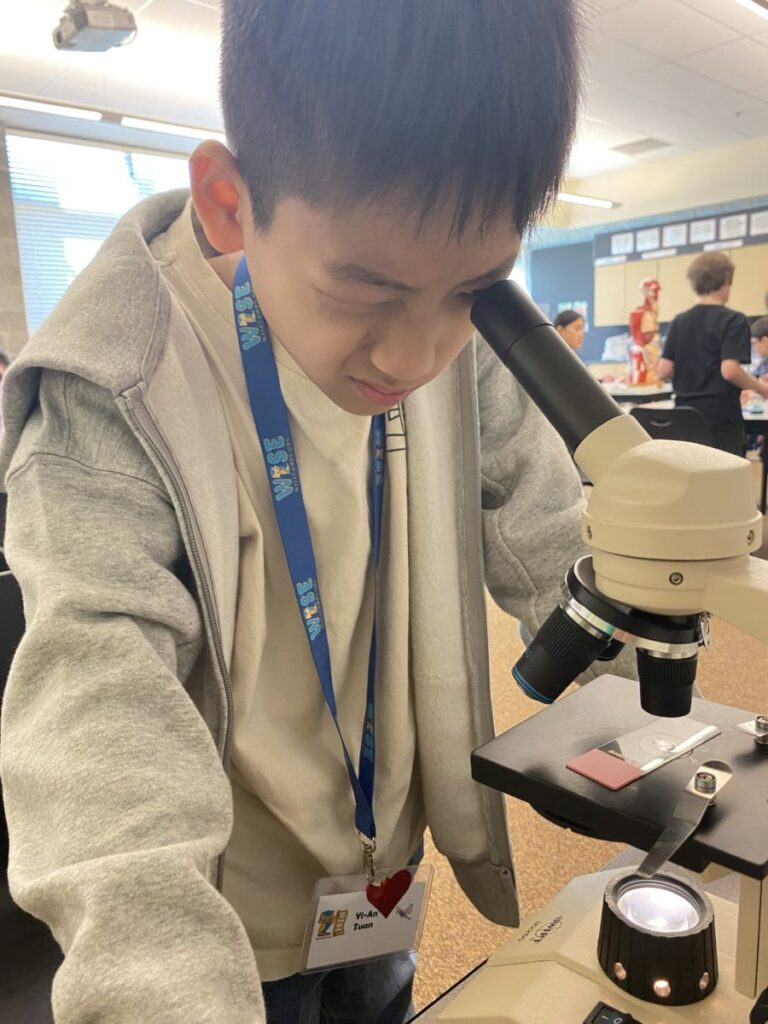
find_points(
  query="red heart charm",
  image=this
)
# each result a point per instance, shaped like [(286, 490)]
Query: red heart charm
[(387, 894)]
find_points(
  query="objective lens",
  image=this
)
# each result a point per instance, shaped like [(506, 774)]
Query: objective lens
[(664, 911), (559, 652), (666, 684)]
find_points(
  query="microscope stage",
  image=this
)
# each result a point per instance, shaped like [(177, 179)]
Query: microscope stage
[(528, 762)]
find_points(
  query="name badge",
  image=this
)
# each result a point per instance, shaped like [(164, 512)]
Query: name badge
[(352, 921)]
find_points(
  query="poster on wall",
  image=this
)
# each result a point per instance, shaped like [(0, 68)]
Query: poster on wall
[(703, 231), (622, 244), (759, 223), (647, 239), (734, 226), (674, 235)]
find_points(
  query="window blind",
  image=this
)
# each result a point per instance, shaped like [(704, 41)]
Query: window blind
[(67, 197)]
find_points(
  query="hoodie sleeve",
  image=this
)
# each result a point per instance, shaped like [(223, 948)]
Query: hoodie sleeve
[(117, 802), (532, 503)]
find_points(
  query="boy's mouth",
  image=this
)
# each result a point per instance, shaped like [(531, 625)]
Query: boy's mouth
[(378, 396)]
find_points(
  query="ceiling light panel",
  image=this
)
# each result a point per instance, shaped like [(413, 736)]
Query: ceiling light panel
[(641, 147), (757, 7)]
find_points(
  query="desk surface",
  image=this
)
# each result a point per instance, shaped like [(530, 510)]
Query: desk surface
[(613, 387), (641, 393), (749, 417)]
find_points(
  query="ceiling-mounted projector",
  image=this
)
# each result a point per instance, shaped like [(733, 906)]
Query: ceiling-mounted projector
[(94, 25)]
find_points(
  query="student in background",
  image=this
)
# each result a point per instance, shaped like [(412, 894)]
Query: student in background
[(706, 350), (570, 326), (759, 332)]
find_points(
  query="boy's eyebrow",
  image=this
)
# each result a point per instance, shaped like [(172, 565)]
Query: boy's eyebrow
[(359, 274)]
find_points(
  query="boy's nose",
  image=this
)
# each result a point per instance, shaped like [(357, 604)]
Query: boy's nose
[(405, 356)]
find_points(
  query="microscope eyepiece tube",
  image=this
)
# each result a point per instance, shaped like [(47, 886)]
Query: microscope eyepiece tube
[(551, 373)]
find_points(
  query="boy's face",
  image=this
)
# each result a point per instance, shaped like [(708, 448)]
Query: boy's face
[(760, 346), (369, 310)]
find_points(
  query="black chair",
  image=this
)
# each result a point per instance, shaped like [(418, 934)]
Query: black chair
[(683, 423), (763, 473), (29, 956)]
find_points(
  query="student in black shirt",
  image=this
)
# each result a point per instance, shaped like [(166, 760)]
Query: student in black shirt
[(705, 350)]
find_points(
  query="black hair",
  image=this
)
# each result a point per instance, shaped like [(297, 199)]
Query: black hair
[(345, 101), (759, 328), (567, 316), (5, 357)]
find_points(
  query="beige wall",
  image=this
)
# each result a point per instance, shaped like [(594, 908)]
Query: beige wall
[(721, 175), (13, 321)]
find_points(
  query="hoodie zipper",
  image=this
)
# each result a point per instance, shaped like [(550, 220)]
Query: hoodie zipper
[(145, 427)]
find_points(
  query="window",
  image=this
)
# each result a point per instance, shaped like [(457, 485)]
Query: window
[(67, 197)]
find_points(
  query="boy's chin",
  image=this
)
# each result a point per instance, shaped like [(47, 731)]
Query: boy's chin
[(357, 405)]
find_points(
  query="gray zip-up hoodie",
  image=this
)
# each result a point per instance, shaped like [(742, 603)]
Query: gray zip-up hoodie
[(117, 720)]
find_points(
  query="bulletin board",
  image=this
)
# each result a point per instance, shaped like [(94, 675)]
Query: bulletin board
[(622, 259)]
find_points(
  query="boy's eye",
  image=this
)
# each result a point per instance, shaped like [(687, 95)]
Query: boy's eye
[(353, 306)]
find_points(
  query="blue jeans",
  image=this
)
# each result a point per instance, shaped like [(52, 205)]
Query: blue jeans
[(378, 992)]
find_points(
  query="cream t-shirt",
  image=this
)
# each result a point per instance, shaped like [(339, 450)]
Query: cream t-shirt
[(293, 802)]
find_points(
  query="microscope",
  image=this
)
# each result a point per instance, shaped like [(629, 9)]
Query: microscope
[(671, 527)]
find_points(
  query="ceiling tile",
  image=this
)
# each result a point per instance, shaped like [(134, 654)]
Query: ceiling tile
[(673, 86), (609, 5), (728, 12), (741, 113), (609, 134), (612, 106), (742, 64), (24, 75), (192, 16), (700, 131), (666, 28), (610, 61)]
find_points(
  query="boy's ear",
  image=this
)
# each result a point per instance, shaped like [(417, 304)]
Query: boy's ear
[(220, 196)]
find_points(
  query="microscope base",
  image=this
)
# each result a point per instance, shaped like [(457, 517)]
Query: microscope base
[(548, 971)]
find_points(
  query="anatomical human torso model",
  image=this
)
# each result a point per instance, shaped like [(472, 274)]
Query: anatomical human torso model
[(644, 327)]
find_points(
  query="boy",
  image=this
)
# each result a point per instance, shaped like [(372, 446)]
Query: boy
[(706, 350), (165, 702)]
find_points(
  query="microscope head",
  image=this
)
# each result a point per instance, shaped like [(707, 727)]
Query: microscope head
[(670, 525)]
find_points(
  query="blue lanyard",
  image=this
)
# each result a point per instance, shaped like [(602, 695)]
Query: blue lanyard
[(271, 418)]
